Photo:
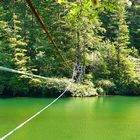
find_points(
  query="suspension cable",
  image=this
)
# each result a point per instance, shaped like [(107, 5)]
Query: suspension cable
[(43, 109), (36, 114), (44, 27), (22, 72)]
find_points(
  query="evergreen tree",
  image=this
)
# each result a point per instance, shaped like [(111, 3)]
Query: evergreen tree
[(133, 19)]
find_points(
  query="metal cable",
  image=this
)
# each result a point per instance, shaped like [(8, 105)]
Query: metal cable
[(36, 114)]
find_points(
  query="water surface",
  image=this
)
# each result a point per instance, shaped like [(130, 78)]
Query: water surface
[(98, 118)]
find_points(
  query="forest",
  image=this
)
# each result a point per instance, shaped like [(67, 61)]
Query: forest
[(103, 36)]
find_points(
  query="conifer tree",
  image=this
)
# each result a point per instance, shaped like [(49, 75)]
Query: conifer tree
[(133, 19)]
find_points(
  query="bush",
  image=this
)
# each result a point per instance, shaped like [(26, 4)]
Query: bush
[(105, 87), (54, 87), (1, 89), (100, 91), (130, 88), (78, 90)]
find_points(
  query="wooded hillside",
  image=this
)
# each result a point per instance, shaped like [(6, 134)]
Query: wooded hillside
[(103, 36)]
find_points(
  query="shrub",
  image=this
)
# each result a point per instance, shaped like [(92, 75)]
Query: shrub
[(105, 87), (54, 87), (130, 88), (1, 89), (78, 90), (48, 88), (100, 91)]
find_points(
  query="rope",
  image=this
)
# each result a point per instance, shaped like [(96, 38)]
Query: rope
[(33, 75), (36, 114), (32, 7), (22, 72)]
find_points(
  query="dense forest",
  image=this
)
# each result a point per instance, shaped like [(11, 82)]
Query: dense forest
[(101, 35)]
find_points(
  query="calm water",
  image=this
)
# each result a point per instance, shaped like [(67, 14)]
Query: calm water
[(104, 118)]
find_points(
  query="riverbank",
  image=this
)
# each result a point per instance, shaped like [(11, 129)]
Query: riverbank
[(53, 87)]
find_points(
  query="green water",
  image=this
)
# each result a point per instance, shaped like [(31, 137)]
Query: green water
[(104, 118)]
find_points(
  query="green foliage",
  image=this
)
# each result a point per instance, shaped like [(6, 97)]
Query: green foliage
[(100, 91), (130, 88), (84, 24), (106, 33), (16, 87), (83, 91), (133, 19), (5, 50), (55, 86), (105, 87)]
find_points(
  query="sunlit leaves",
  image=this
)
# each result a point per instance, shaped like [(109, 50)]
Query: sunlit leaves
[(61, 1)]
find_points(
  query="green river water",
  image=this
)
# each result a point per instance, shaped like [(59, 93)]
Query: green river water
[(97, 118)]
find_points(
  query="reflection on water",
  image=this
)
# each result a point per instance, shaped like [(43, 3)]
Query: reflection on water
[(97, 118)]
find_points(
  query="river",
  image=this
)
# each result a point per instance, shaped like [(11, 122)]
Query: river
[(97, 118)]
